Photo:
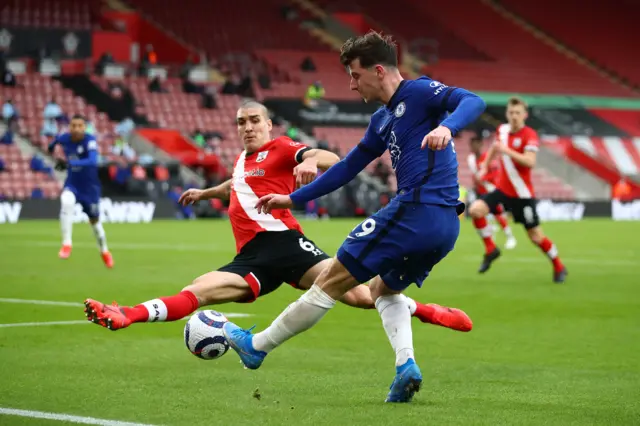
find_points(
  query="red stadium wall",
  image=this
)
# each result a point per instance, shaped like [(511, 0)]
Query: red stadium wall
[(356, 21), (118, 44), (173, 143), (144, 32)]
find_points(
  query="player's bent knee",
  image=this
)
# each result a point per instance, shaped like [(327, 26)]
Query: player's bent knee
[(478, 209), (336, 280), (219, 287), (379, 288)]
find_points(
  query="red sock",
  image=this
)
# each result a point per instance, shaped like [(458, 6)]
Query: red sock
[(550, 250), (485, 232), (170, 308)]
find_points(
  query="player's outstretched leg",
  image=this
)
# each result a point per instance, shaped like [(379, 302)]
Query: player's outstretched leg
[(429, 313), (298, 317), (478, 211), (397, 324), (67, 207), (546, 245), (209, 289), (504, 224), (101, 239)]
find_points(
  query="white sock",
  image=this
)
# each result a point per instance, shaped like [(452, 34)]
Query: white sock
[(67, 208), (299, 316), (157, 310), (507, 232), (412, 305), (101, 237), (396, 320)]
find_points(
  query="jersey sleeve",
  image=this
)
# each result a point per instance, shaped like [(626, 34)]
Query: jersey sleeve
[(532, 143), (464, 107), (371, 142), (292, 151)]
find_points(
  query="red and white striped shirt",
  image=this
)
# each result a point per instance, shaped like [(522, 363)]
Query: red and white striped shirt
[(514, 180), (486, 184), (266, 171)]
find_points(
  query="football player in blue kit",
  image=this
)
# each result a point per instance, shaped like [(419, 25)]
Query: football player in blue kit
[(400, 244), (82, 185)]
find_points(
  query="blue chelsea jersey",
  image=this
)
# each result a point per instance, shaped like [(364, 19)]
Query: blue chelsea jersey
[(84, 177), (423, 175)]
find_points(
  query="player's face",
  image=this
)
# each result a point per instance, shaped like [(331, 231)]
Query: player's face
[(254, 128), (367, 81), (77, 128), (516, 115)]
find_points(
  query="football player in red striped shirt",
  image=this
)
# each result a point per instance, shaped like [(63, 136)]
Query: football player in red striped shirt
[(517, 146)]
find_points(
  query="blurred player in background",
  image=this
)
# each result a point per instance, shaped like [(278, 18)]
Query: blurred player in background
[(517, 147), (82, 185), (271, 248), (483, 185), (401, 243)]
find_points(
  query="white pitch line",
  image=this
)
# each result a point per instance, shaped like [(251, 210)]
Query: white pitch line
[(66, 418), (42, 324), (128, 246), (41, 302)]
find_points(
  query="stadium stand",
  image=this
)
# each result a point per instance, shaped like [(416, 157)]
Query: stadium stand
[(69, 14), (609, 49), (31, 99), (18, 180), (528, 66)]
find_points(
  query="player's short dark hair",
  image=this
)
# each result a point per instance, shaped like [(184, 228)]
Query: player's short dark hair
[(516, 100), (372, 48), (254, 104), (79, 117)]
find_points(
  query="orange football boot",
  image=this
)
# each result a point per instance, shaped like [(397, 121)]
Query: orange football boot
[(108, 316), (65, 252), (107, 259), (452, 318)]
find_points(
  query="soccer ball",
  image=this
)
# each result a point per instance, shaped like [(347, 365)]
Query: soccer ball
[(203, 335)]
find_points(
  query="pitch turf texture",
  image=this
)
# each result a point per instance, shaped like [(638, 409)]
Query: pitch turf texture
[(539, 353)]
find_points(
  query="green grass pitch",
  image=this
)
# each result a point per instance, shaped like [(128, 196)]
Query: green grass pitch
[(539, 353)]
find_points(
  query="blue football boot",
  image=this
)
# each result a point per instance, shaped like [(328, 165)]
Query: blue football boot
[(241, 341)]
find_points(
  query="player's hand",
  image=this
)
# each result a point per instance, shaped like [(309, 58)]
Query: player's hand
[(190, 196), (61, 165), (501, 148), (305, 172), (437, 139), (273, 201)]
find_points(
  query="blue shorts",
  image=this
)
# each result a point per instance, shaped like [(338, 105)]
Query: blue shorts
[(90, 203), (401, 243)]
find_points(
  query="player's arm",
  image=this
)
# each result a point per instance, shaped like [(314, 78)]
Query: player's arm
[(222, 191), (321, 158), (52, 145), (370, 148), (465, 108), (309, 161), (190, 196), (526, 159)]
